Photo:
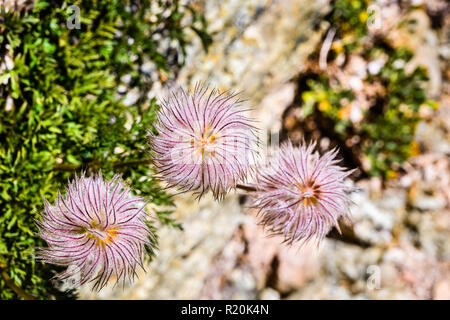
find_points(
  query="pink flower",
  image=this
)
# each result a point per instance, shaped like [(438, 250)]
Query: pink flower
[(98, 230), (300, 194), (204, 141)]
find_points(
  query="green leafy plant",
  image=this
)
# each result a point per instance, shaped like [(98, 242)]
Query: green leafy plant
[(384, 132)]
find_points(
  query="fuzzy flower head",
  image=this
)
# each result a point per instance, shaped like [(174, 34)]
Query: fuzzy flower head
[(97, 230), (204, 142), (301, 194)]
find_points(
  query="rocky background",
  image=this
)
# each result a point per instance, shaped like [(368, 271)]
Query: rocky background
[(402, 225)]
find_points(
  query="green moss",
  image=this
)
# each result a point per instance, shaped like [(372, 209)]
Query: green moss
[(386, 131)]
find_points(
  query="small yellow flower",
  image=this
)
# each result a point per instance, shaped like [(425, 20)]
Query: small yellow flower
[(344, 113), (162, 76), (363, 16), (324, 106), (391, 174), (337, 46), (415, 148)]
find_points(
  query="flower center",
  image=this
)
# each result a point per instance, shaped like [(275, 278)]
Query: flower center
[(101, 235), (203, 145), (203, 142), (309, 194), (208, 141)]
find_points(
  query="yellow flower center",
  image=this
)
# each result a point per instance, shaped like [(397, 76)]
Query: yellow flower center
[(309, 194), (203, 143), (100, 234), (207, 141)]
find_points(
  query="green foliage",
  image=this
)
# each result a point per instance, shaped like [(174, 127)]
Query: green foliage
[(66, 113), (386, 129), (350, 18), (390, 131)]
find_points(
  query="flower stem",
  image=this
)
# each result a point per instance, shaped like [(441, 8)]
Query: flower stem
[(10, 283), (246, 188), (347, 234)]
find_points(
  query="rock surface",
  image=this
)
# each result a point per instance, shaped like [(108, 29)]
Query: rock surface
[(259, 46)]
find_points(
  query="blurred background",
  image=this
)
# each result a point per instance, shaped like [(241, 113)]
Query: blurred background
[(371, 77)]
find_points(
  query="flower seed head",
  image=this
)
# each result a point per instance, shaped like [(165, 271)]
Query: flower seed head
[(301, 194), (97, 230), (204, 141)]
